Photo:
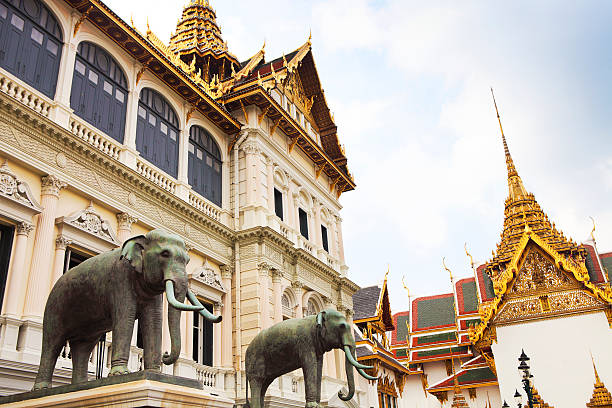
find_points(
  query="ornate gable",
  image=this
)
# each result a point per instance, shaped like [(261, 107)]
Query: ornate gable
[(22, 205), (88, 229)]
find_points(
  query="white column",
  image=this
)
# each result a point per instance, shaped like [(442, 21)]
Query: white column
[(124, 226), (251, 151), (226, 274), (129, 154), (292, 198), (276, 285), (61, 242), (332, 238), (40, 270), (217, 339), (297, 286), (183, 160), (264, 297), (62, 111), (317, 220), (16, 278), (340, 243), (270, 182)]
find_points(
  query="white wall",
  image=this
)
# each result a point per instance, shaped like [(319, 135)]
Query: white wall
[(560, 357)]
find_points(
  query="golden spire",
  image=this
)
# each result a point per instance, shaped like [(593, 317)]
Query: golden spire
[(522, 214), (515, 184), (601, 396), (593, 230)]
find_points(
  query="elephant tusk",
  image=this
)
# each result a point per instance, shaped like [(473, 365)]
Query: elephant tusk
[(346, 397), (175, 303), (364, 375), (205, 313), (351, 359)]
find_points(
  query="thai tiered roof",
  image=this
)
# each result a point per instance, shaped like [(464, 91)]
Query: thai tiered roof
[(472, 374)]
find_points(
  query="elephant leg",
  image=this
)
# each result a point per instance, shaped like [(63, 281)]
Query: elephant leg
[(81, 351), (256, 396), (123, 326), (264, 388), (310, 379), (150, 322), (319, 377), (51, 349)]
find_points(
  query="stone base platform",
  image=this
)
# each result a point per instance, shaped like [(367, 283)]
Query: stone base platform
[(139, 389)]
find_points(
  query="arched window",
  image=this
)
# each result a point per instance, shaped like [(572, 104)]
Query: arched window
[(204, 164), (157, 131), (312, 308), (30, 43), (99, 90)]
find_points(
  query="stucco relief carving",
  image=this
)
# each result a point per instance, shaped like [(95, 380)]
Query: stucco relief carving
[(13, 188), (273, 254), (24, 228), (538, 273), (51, 185), (90, 221), (248, 251), (572, 301), (207, 275)]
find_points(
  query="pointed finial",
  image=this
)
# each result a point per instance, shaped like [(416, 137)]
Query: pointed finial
[(469, 256), (593, 230), (132, 20), (406, 287), (148, 28), (446, 267), (263, 47), (506, 150), (595, 369), (310, 36)]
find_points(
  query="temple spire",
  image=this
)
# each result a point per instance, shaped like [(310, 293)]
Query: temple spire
[(515, 184)]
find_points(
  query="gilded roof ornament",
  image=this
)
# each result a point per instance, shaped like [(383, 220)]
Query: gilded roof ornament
[(601, 396)]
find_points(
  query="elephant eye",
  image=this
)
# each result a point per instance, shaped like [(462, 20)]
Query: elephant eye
[(165, 254)]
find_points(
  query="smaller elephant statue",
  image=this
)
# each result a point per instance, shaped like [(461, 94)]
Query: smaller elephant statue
[(109, 292), (296, 343)]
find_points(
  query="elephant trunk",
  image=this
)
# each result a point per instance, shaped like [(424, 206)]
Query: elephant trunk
[(349, 375), (176, 292)]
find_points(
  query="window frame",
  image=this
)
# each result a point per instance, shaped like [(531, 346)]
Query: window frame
[(201, 142), (278, 203), (203, 335)]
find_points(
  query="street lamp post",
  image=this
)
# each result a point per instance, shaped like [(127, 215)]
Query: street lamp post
[(526, 378), (518, 398)]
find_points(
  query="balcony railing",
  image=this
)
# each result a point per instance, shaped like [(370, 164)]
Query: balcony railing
[(151, 173), (204, 206), (107, 146), (25, 95)]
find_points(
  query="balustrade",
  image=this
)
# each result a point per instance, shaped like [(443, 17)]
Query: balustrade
[(158, 177), (91, 137), (24, 95)]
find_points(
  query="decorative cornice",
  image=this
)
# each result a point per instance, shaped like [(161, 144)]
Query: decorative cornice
[(51, 185), (24, 228)]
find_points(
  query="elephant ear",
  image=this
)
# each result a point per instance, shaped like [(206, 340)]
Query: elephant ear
[(132, 250), (321, 318)]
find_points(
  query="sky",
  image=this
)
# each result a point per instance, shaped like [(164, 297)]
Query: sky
[(409, 84)]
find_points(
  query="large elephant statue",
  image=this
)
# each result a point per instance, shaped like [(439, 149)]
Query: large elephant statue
[(109, 292), (296, 343)]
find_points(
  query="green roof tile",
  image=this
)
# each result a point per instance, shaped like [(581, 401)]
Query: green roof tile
[(435, 312), (435, 338)]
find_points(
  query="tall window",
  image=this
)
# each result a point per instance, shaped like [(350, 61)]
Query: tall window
[(324, 238), (6, 244), (157, 131), (73, 258), (311, 308), (99, 90), (203, 338), (278, 203), (303, 223), (204, 164), (30, 43)]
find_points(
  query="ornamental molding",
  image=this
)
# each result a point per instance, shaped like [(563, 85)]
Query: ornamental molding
[(61, 242), (125, 221), (36, 140), (227, 271), (88, 229), (24, 228), (20, 203), (51, 185)]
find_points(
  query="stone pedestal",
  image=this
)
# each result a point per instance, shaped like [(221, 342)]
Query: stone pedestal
[(139, 389)]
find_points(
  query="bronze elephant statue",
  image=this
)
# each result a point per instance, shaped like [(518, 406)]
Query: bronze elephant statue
[(296, 343), (109, 292)]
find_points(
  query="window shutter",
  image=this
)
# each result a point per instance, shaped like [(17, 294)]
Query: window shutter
[(324, 238), (278, 204), (303, 223)]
